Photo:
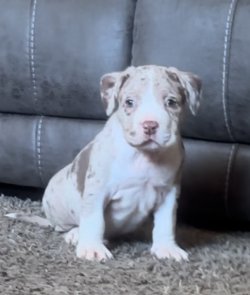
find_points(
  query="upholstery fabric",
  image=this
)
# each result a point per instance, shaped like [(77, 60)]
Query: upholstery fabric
[(34, 148), (53, 54)]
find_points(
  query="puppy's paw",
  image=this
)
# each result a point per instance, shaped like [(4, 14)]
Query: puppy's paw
[(93, 252), (72, 237), (169, 251)]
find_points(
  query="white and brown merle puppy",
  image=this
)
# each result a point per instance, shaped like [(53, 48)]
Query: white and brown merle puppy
[(131, 169)]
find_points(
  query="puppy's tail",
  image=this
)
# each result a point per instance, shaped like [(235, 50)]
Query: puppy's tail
[(30, 219)]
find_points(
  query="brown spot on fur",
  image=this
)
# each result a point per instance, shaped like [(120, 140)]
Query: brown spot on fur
[(73, 168), (183, 92), (110, 84), (83, 163), (127, 112), (173, 76), (123, 81), (196, 83), (107, 82), (90, 175)]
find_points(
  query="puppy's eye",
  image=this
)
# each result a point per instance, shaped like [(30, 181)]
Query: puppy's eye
[(171, 103), (129, 103)]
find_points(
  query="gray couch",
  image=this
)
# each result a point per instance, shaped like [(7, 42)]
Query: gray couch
[(53, 53)]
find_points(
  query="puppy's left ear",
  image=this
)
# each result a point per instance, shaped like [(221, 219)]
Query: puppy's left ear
[(192, 84)]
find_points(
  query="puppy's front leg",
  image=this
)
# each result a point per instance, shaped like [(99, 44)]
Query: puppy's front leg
[(164, 245), (91, 230)]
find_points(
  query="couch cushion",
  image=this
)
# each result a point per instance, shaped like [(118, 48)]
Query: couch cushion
[(215, 182), (34, 148), (53, 54), (211, 39)]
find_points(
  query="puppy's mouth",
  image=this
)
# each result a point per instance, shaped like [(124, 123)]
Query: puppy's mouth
[(149, 145), (152, 142), (149, 141), (145, 143), (159, 141)]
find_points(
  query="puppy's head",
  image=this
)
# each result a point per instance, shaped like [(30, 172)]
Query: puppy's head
[(149, 102)]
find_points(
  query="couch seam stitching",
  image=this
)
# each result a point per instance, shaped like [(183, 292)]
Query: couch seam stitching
[(227, 41), (134, 34), (39, 147), (228, 173), (32, 50)]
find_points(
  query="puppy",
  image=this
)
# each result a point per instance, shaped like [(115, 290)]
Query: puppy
[(130, 170)]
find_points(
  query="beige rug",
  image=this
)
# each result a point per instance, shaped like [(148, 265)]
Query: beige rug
[(35, 260)]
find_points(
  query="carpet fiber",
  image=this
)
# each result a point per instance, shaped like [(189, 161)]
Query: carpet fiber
[(36, 260)]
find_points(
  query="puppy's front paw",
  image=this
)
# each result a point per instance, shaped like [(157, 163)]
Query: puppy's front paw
[(93, 252), (169, 251), (72, 236)]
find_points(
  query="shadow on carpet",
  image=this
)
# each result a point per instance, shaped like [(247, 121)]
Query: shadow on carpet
[(36, 260)]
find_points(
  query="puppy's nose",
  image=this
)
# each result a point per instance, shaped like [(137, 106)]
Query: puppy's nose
[(150, 127)]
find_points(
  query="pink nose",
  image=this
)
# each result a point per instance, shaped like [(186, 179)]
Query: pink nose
[(150, 127)]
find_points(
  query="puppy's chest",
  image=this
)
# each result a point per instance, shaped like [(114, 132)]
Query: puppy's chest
[(136, 187), (138, 173)]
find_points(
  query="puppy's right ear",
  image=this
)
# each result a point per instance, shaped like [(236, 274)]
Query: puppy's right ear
[(110, 86)]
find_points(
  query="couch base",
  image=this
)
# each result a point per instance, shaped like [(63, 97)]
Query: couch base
[(185, 216), (21, 192)]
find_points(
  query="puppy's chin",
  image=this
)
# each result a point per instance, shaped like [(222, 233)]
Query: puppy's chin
[(148, 145)]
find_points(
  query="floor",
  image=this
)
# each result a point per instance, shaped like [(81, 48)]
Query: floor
[(36, 260)]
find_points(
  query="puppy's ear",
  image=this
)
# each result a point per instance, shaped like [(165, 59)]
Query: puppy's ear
[(192, 84), (110, 87)]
